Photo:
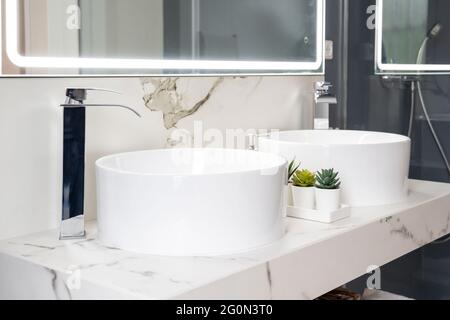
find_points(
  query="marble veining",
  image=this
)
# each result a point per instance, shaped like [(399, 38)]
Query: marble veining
[(165, 95), (269, 277), (59, 286), (404, 232), (400, 229), (310, 260)]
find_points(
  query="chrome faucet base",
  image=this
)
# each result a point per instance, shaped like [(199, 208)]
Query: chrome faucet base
[(81, 236), (322, 99), (72, 228)]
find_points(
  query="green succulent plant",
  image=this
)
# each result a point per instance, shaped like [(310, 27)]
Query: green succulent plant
[(293, 167), (303, 178), (328, 179)]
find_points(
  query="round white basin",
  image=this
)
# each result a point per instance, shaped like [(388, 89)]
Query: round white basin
[(185, 202), (373, 166)]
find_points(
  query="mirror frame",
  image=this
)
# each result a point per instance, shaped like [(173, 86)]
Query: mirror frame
[(247, 67), (397, 68)]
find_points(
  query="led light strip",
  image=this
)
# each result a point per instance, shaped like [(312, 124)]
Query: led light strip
[(392, 67), (12, 36)]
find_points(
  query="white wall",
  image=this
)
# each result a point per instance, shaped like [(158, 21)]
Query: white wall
[(31, 132)]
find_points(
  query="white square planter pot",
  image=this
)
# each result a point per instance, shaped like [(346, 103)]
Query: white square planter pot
[(287, 199), (304, 198), (328, 200)]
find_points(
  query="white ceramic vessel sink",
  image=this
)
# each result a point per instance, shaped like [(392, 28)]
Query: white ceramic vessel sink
[(186, 202), (373, 166)]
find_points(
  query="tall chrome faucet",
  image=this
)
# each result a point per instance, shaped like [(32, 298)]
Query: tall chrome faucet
[(322, 101), (72, 225)]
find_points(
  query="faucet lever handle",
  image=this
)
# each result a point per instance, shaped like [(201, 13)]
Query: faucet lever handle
[(103, 90), (80, 94), (322, 86)]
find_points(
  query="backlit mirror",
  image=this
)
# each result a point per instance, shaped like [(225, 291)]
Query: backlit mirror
[(153, 37), (412, 36)]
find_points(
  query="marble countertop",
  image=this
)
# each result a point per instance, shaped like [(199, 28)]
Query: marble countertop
[(311, 259)]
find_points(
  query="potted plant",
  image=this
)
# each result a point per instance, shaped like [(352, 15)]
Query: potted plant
[(293, 167), (328, 193), (303, 194)]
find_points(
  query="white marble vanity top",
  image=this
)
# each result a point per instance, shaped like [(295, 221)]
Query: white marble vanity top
[(311, 259)]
